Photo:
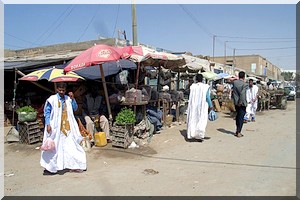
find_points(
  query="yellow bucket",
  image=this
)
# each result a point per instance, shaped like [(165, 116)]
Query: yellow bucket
[(100, 139)]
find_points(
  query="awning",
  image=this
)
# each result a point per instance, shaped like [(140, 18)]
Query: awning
[(194, 64), (151, 57)]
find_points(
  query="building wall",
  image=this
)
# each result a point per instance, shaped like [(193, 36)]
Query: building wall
[(254, 64)]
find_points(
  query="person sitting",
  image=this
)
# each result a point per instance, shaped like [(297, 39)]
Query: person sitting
[(92, 112), (164, 94)]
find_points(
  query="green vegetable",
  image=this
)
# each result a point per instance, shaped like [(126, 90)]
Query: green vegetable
[(125, 116), (26, 109)]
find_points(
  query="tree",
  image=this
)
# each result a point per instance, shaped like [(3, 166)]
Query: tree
[(288, 76)]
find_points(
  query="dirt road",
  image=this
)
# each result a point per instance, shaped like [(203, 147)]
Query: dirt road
[(263, 162)]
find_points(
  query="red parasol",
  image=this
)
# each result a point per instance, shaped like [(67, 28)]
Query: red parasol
[(95, 55)]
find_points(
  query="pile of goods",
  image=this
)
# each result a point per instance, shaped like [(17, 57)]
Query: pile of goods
[(133, 96), (26, 114)]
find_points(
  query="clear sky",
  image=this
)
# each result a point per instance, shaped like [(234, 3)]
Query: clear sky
[(268, 30)]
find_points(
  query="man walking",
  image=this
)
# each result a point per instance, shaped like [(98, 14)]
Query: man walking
[(197, 113), (240, 102), (61, 127), (252, 96)]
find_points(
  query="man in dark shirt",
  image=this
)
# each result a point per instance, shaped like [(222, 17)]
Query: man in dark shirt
[(92, 110), (240, 102)]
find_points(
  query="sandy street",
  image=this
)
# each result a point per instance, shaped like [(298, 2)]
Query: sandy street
[(263, 162)]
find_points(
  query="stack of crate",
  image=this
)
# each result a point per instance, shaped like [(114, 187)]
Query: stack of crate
[(30, 132), (122, 136)]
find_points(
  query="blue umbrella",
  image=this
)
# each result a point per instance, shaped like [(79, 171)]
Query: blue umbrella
[(224, 75)]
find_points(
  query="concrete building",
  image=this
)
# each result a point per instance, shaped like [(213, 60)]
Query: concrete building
[(253, 65)]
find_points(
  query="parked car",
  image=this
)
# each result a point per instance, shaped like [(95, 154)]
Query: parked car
[(291, 91)]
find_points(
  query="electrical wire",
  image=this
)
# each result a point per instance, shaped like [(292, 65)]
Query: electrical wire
[(36, 41), (260, 41), (20, 38), (116, 21), (14, 45), (282, 56), (72, 8), (255, 38), (195, 20), (52, 25), (86, 28), (268, 48)]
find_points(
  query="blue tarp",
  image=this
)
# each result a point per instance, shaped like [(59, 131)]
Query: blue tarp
[(109, 68), (223, 75), (92, 72)]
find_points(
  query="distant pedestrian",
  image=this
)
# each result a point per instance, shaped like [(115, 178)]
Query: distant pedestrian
[(240, 102), (252, 99), (198, 107)]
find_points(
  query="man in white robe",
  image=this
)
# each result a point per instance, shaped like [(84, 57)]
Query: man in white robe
[(252, 99), (198, 107), (62, 128)]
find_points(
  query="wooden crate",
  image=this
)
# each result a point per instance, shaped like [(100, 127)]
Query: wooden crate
[(122, 136), (30, 132)]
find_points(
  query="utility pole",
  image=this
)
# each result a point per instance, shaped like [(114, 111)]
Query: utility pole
[(214, 39), (14, 98), (225, 54), (134, 26), (233, 66)]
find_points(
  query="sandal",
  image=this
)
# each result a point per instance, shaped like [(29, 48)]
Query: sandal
[(238, 135)]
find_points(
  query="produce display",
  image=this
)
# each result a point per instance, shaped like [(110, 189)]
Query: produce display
[(125, 116), (26, 114)]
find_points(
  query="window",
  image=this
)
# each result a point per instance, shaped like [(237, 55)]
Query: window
[(253, 67)]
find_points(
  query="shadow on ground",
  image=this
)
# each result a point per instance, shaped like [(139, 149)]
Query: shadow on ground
[(225, 131), (228, 116), (184, 134), (117, 152)]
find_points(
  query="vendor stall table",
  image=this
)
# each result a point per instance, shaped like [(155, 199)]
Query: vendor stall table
[(134, 104)]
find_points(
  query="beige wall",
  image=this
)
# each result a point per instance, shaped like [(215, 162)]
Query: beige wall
[(245, 62)]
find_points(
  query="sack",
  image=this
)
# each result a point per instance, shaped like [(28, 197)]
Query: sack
[(121, 78), (220, 88), (48, 145), (212, 115), (133, 96), (83, 131), (86, 143)]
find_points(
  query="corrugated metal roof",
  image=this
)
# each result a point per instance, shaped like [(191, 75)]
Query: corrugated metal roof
[(34, 62), (29, 65)]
